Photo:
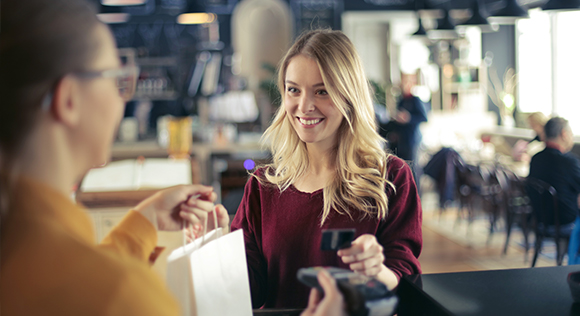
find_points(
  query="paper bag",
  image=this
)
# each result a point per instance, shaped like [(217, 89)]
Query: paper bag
[(209, 276)]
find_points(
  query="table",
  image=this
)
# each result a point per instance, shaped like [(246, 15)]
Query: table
[(532, 291)]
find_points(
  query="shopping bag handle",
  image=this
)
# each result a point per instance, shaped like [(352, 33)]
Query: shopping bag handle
[(215, 222)]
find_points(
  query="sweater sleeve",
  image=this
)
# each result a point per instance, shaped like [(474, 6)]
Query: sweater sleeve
[(248, 217), (142, 293), (134, 236), (400, 233)]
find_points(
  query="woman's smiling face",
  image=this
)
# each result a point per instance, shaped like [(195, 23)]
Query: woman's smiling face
[(308, 105)]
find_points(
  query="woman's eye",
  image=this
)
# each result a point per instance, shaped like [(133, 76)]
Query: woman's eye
[(323, 92), (292, 90)]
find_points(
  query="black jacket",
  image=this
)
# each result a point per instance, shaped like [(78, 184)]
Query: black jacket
[(562, 171)]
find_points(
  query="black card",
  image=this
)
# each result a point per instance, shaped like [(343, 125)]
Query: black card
[(335, 239)]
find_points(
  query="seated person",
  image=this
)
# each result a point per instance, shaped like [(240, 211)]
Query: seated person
[(536, 121), (523, 150), (329, 170), (556, 166)]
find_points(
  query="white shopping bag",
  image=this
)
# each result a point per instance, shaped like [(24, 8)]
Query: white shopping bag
[(209, 276)]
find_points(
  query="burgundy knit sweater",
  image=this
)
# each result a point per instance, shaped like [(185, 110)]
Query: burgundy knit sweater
[(282, 234)]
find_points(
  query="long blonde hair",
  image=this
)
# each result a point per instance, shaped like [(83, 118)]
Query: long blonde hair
[(361, 180)]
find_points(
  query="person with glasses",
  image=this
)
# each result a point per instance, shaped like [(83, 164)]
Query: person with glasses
[(63, 93)]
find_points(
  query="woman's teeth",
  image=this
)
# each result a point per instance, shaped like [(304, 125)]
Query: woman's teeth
[(309, 122)]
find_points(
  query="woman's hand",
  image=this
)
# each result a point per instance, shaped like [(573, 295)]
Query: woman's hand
[(366, 257), (403, 116), (199, 218), (167, 209), (332, 304)]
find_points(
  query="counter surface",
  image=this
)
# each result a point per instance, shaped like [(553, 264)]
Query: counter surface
[(532, 291)]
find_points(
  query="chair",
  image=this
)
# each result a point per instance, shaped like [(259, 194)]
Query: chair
[(544, 200), (518, 210), (493, 190), (468, 189)]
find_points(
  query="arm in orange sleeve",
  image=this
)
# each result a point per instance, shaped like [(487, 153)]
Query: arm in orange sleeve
[(134, 236)]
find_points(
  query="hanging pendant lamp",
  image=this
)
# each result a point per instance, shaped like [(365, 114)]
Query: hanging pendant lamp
[(423, 8), (112, 14), (562, 5), (421, 30), (122, 2), (509, 14), (479, 18), (445, 28), (195, 13)]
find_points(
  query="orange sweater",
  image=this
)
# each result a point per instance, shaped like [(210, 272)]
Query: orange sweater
[(50, 264)]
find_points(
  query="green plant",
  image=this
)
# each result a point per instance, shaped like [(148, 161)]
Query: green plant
[(270, 86), (379, 96)]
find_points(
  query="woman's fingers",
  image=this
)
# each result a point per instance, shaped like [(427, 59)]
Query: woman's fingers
[(364, 247), (195, 216), (365, 256), (223, 217), (206, 206)]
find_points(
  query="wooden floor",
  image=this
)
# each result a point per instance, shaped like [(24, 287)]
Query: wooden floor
[(449, 245)]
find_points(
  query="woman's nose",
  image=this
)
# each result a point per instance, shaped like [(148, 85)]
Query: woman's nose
[(306, 104)]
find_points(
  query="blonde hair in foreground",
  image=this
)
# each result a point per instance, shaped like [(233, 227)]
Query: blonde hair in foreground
[(361, 163)]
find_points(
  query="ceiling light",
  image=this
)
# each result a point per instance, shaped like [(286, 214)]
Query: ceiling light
[(122, 2), (445, 28), (425, 9), (113, 18), (421, 30), (196, 18), (509, 13), (479, 18), (562, 5), (195, 13)]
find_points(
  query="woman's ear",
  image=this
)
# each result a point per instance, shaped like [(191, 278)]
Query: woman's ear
[(65, 105)]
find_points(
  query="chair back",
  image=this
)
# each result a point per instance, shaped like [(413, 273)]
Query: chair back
[(544, 200), (517, 196)]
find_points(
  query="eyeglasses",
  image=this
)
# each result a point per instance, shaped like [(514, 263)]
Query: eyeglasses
[(125, 79)]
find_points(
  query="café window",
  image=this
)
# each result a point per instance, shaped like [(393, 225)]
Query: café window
[(548, 64)]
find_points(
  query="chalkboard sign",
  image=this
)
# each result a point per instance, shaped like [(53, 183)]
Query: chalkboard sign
[(220, 6), (158, 37), (313, 14)]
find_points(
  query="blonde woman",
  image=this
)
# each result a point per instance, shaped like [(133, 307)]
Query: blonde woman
[(536, 121), (329, 171)]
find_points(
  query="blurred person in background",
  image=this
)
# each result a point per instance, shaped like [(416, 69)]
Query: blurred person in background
[(524, 150), (405, 137), (559, 168)]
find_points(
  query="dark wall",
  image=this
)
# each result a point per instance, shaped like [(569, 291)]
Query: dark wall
[(502, 45)]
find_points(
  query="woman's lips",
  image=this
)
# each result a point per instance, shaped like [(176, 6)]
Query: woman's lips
[(309, 122)]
